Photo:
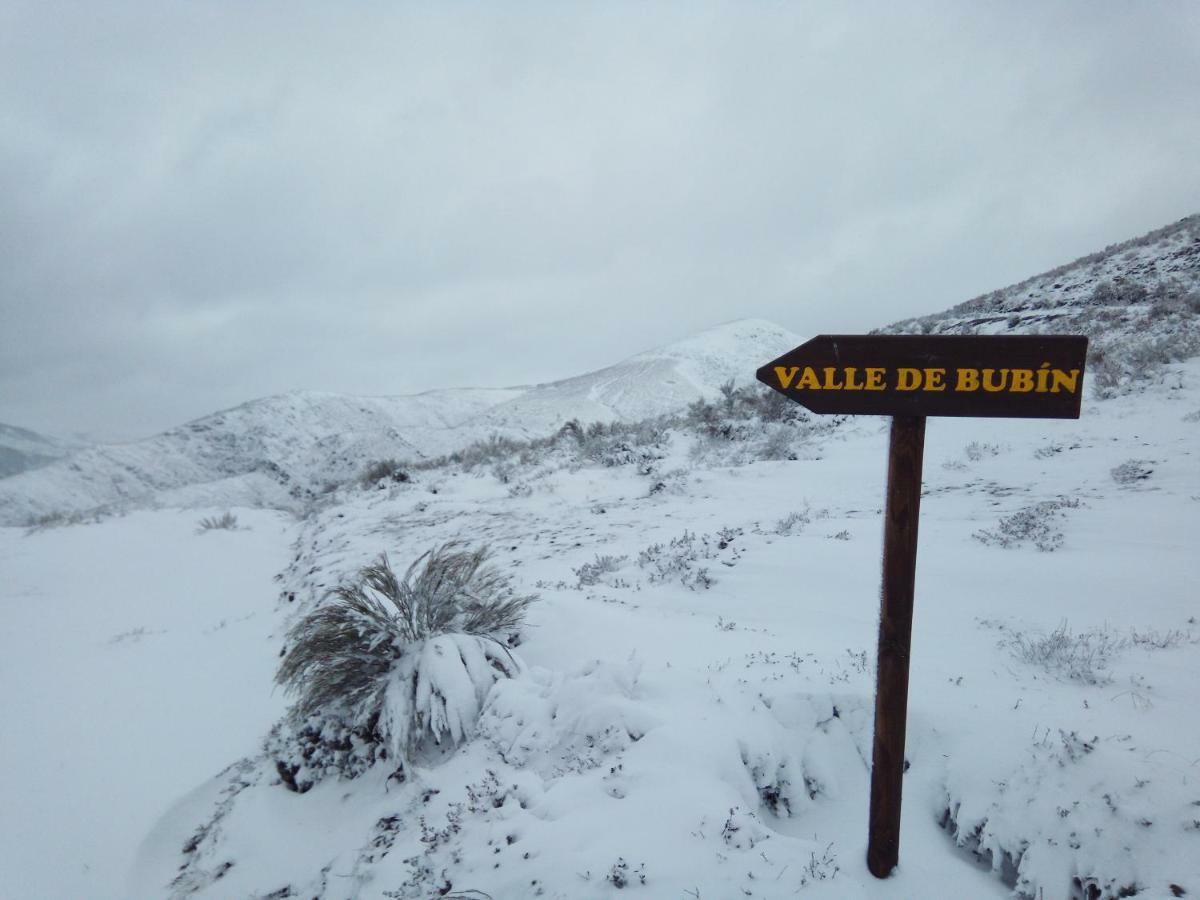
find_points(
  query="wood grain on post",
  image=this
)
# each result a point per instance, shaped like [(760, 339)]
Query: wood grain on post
[(895, 638)]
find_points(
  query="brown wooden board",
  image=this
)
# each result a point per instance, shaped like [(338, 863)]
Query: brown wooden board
[(1024, 376)]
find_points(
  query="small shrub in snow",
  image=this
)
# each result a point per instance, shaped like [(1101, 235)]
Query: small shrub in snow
[(622, 876), (590, 574), (225, 522), (820, 868), (1085, 656), (1131, 471), (1160, 640), (798, 520), (1037, 524), (382, 471), (677, 560), (411, 658), (59, 519), (672, 482), (975, 451), (520, 489)]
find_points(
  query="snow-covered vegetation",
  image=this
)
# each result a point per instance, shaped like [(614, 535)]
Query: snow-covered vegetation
[(690, 714)]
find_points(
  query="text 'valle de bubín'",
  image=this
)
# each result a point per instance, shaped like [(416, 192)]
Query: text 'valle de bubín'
[(1043, 380)]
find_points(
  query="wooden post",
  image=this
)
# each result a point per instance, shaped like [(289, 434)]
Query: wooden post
[(895, 638)]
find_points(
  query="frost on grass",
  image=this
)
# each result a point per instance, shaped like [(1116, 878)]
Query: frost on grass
[(1038, 524), (397, 667)]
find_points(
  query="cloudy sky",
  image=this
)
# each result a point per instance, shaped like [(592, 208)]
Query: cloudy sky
[(201, 203)]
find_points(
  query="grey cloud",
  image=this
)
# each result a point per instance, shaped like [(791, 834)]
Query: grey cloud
[(204, 203)]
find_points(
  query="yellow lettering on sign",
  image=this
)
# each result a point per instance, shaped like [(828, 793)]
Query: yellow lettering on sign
[(785, 376), (995, 384), (831, 383), (908, 379), (1022, 381), (875, 379), (934, 379), (1043, 378), (968, 380), (808, 379), (1061, 379), (851, 384)]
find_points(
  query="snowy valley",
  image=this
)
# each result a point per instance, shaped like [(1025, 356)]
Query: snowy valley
[(690, 704)]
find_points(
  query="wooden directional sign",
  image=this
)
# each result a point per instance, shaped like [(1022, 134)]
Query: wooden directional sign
[(909, 378), (1031, 376)]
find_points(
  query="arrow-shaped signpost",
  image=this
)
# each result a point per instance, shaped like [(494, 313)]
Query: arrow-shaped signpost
[(909, 378)]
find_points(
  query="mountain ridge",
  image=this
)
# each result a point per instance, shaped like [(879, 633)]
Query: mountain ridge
[(279, 450)]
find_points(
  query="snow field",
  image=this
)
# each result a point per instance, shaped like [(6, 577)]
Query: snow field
[(136, 664)]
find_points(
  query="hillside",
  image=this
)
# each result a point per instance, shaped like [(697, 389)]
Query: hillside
[(22, 449), (281, 452)]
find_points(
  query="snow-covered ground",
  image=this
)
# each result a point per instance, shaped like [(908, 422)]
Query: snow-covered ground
[(135, 663), (713, 741)]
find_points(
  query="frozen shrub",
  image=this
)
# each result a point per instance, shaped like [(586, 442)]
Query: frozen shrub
[(590, 574), (1160, 640), (975, 451), (520, 489), (59, 519), (381, 471), (227, 521), (794, 522), (673, 482), (1085, 656), (621, 875), (677, 561), (1131, 471), (409, 661), (1036, 524)]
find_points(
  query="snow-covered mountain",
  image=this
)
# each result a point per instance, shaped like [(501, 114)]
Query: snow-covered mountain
[(278, 451), (22, 449)]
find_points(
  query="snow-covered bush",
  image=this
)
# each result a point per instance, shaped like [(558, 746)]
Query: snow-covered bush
[(1084, 656), (405, 663), (975, 451), (677, 560), (382, 471), (590, 574), (227, 521), (794, 521), (1037, 524), (1131, 471)]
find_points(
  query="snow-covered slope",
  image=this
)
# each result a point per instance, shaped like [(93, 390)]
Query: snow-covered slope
[(281, 451), (1123, 290), (653, 383), (22, 449)]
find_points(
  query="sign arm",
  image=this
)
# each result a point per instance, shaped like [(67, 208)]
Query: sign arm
[(905, 454)]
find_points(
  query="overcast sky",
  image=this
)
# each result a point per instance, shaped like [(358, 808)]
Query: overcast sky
[(201, 203)]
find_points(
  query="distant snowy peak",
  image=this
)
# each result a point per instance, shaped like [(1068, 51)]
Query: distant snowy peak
[(655, 382), (732, 351), (22, 449)]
